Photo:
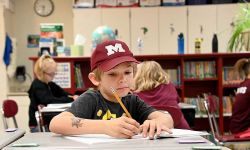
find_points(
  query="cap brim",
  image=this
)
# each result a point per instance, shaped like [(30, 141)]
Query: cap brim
[(116, 61)]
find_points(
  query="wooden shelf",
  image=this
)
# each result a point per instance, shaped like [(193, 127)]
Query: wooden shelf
[(197, 79), (217, 116), (230, 86)]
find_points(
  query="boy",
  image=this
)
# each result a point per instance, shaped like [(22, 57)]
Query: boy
[(98, 112)]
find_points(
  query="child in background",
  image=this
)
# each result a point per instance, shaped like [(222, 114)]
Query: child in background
[(43, 90), (153, 86), (98, 112), (240, 119)]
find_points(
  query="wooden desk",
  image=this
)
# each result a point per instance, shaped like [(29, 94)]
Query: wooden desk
[(48, 140), (8, 137)]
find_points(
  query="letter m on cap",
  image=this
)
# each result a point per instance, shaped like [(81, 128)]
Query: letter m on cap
[(113, 49)]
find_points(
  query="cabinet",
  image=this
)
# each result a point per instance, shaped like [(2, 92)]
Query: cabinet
[(144, 31), (189, 86), (87, 20), (118, 19), (154, 30), (225, 18), (85, 25), (201, 24), (172, 21)]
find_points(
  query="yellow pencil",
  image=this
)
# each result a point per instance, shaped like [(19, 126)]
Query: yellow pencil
[(120, 102)]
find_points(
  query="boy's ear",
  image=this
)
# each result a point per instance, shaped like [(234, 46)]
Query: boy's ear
[(93, 79)]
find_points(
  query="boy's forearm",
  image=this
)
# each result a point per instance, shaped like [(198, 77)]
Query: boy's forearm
[(71, 125), (167, 118)]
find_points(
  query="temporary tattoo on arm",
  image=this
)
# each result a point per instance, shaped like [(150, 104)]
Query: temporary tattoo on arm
[(76, 122)]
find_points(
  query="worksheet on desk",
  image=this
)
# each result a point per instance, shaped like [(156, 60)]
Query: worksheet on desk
[(98, 138), (102, 138)]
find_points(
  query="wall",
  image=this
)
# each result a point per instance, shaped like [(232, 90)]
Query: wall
[(26, 22), (3, 78), (19, 24)]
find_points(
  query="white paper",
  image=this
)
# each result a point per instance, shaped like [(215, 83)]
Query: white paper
[(98, 138), (182, 133), (58, 106), (102, 138)]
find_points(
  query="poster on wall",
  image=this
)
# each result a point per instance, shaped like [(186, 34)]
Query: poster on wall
[(63, 76), (51, 34), (33, 41), (51, 30)]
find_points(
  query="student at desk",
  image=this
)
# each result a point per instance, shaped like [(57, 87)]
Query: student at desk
[(98, 112), (240, 119), (153, 86), (43, 90)]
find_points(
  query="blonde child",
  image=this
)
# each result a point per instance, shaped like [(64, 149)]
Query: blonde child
[(153, 86), (240, 119), (98, 112), (43, 90)]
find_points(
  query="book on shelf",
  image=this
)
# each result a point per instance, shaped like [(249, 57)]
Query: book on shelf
[(209, 69), (230, 77), (174, 75), (78, 76), (213, 102), (228, 102), (199, 69)]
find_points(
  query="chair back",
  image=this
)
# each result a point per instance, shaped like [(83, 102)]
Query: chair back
[(39, 118), (210, 107), (9, 109)]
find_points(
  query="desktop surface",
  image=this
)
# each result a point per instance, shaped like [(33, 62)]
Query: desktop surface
[(52, 110), (9, 137), (50, 140)]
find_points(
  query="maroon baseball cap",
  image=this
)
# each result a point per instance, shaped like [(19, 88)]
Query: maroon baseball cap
[(109, 54)]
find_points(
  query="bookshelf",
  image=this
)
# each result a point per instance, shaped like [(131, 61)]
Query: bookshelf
[(187, 87)]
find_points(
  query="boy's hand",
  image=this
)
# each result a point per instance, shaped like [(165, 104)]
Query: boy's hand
[(122, 127), (153, 127)]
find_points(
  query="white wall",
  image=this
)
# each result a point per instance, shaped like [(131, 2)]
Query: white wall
[(19, 24), (3, 78), (26, 22)]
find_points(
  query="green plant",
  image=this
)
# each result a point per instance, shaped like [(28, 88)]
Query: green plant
[(241, 25)]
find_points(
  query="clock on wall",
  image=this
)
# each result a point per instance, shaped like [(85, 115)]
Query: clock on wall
[(44, 8)]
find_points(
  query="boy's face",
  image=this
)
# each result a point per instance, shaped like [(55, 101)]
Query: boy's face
[(120, 78)]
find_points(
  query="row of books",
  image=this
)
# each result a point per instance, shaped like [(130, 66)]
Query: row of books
[(199, 69), (230, 77), (214, 104), (125, 3), (175, 76)]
